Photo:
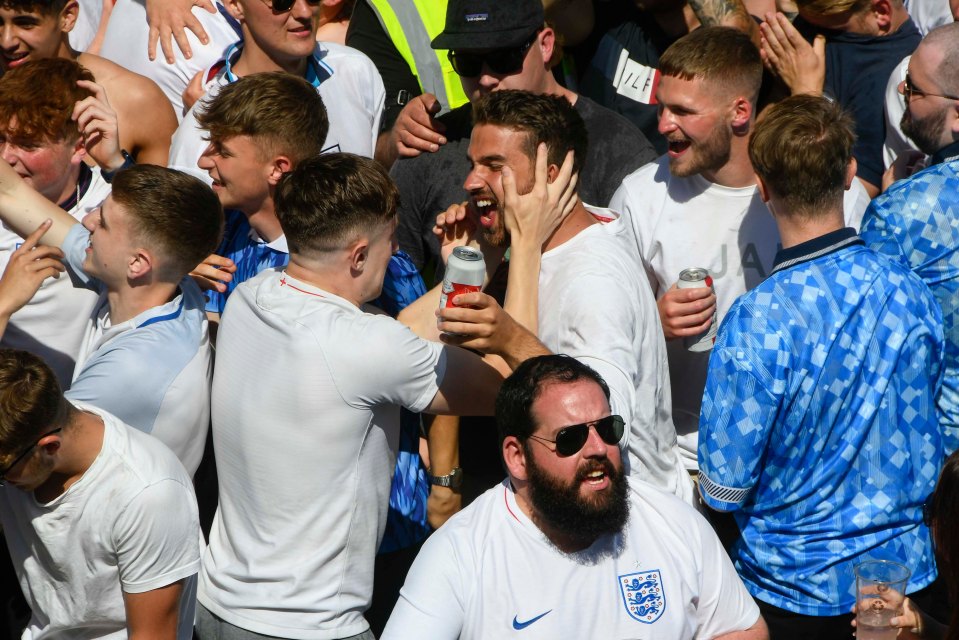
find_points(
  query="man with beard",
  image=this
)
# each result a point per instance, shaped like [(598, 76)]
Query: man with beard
[(698, 205), (569, 533), (819, 428), (914, 220), (593, 302)]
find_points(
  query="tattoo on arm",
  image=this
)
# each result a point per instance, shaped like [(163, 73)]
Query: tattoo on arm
[(719, 12)]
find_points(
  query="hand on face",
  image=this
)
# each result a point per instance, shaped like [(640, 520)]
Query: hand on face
[(531, 218)]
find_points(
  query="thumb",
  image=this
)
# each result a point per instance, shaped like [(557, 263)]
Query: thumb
[(819, 46), (432, 104)]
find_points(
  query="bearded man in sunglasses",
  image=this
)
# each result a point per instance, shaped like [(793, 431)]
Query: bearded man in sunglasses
[(913, 221), (643, 563)]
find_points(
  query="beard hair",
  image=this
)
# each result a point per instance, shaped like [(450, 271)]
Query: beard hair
[(560, 505), (925, 132), (711, 154)]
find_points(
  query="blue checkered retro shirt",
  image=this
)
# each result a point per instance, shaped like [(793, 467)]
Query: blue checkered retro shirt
[(819, 425)]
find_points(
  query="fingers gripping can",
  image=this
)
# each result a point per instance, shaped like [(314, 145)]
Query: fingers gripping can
[(691, 279), (465, 273)]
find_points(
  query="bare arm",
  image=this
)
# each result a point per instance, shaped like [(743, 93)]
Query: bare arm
[(758, 631), (153, 615), (23, 209), (443, 440)]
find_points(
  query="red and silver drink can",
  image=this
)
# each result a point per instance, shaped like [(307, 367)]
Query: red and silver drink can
[(465, 273), (695, 278)]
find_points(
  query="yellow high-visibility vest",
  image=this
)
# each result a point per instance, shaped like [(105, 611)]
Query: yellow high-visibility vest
[(412, 25)]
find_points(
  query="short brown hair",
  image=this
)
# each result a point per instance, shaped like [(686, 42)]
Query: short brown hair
[(328, 201), (174, 213), (722, 56), (43, 7), (40, 96), (283, 112), (801, 148), (544, 118), (31, 402)]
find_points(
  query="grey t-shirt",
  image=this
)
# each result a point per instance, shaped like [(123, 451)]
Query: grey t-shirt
[(431, 182)]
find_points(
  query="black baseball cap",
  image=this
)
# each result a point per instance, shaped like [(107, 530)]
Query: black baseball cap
[(489, 24)]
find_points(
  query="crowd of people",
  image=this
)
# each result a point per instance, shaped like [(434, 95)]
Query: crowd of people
[(712, 368)]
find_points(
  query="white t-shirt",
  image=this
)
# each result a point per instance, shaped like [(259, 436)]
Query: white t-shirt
[(53, 323), (680, 223), (152, 371), (129, 524), (595, 305), (125, 43), (929, 14), (306, 407), (352, 92), (896, 141), (489, 572)]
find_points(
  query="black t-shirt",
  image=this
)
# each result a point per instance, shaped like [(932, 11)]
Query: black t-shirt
[(431, 182), (367, 34)]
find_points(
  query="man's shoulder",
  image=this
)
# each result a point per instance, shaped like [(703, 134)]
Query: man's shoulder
[(653, 175), (938, 184)]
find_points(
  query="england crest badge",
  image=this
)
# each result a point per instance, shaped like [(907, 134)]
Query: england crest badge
[(643, 595)]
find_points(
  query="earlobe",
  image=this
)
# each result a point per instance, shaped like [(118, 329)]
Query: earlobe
[(742, 113), (547, 43), (233, 6), (281, 166), (141, 264), (359, 252)]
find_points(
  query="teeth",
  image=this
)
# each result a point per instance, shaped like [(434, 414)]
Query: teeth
[(595, 474), (484, 203)]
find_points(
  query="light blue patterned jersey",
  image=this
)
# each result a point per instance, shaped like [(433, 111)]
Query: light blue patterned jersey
[(917, 222), (819, 425)]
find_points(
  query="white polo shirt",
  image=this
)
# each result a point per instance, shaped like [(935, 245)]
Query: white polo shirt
[(152, 371), (306, 412), (491, 573)]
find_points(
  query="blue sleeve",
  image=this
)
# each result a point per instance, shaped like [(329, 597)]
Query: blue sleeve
[(74, 250), (738, 412)]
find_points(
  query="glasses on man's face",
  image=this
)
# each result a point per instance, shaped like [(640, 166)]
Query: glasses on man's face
[(282, 6), (909, 90), (570, 440), (501, 61), (23, 454)]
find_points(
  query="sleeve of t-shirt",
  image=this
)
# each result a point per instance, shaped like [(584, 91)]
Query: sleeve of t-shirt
[(409, 370), (633, 219), (737, 414), (724, 603), (368, 35), (157, 537), (411, 211), (432, 596), (74, 251)]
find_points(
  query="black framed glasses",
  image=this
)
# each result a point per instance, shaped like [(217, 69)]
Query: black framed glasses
[(570, 440), (909, 90), (500, 61), (282, 6), (23, 454)]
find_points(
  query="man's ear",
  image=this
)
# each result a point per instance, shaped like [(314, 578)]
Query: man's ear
[(281, 165), (79, 152), (882, 10), (763, 190), (359, 253), (742, 110), (68, 16), (547, 43), (514, 455), (235, 9), (50, 444), (141, 263), (851, 173)]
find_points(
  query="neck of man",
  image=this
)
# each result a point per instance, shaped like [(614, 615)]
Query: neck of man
[(131, 299), (559, 539), (81, 442), (737, 172), (798, 228), (265, 222), (65, 51), (898, 18), (575, 222), (70, 188), (253, 59), (329, 275)]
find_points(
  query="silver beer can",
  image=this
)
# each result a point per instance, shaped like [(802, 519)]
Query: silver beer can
[(695, 278), (465, 272)]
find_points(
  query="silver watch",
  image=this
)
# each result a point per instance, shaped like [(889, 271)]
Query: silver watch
[(453, 480)]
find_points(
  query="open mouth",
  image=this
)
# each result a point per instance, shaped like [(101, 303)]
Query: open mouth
[(597, 477), (486, 208), (678, 147), (15, 59)]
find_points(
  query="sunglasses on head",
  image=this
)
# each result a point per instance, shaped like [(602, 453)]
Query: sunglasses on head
[(23, 454), (909, 90), (500, 61), (570, 440), (282, 6)]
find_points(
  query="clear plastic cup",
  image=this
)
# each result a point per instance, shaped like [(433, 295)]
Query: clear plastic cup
[(880, 590)]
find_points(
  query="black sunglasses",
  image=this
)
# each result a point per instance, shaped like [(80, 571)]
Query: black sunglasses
[(282, 6), (23, 454), (571, 439), (909, 90), (500, 61)]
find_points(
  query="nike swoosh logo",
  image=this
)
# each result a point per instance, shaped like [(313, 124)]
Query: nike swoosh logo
[(522, 625)]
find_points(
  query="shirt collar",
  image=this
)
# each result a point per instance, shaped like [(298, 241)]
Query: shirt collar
[(947, 153), (811, 249)]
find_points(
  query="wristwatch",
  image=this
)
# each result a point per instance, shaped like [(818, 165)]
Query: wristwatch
[(453, 480)]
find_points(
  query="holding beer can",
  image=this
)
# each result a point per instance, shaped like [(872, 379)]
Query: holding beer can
[(465, 273), (692, 279)]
